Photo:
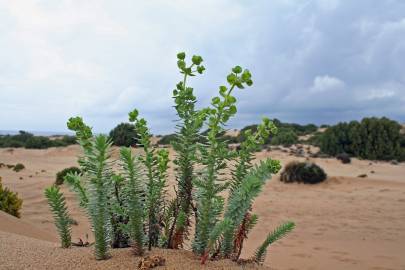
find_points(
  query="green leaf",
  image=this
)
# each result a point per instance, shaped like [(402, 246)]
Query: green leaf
[(232, 109), (196, 59), (237, 69), (231, 78), (181, 55), (246, 75), (216, 100), (133, 115), (200, 69), (272, 237), (181, 64)]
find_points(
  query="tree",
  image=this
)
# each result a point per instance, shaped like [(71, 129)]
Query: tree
[(124, 134), (372, 138)]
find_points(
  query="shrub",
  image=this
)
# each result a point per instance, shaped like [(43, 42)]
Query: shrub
[(167, 139), (68, 140), (314, 139), (18, 167), (28, 140), (133, 196), (60, 176), (124, 135), (344, 158), (38, 142), (302, 172), (9, 201), (284, 137), (287, 135), (372, 138)]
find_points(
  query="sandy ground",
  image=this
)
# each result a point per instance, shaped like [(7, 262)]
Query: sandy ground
[(20, 252), (344, 223)]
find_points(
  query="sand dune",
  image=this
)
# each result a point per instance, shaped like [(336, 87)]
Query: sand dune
[(21, 252), (344, 223), (11, 224)]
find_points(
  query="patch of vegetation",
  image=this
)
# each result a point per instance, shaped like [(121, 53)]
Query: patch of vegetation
[(287, 133), (314, 139), (130, 199), (60, 176), (18, 167), (285, 137), (303, 172), (344, 158), (57, 203), (9, 201), (124, 135), (29, 141), (372, 138), (167, 139)]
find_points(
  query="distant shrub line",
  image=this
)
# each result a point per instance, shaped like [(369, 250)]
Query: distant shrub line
[(287, 134), (27, 140), (372, 138)]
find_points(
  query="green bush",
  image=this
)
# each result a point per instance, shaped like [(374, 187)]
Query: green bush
[(38, 142), (315, 139), (303, 172), (287, 132), (284, 137), (372, 138), (167, 139), (18, 167), (344, 158), (124, 135), (29, 141), (9, 201), (60, 176)]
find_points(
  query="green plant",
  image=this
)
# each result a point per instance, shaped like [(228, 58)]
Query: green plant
[(214, 156), (98, 185), (60, 176), (372, 138), (167, 139), (303, 172), (124, 135), (185, 143), (28, 140), (132, 199), (277, 234), (18, 167), (240, 202), (9, 201), (246, 182), (135, 203), (344, 158), (285, 137), (156, 164), (56, 202)]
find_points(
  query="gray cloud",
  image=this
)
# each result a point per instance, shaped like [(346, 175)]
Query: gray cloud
[(317, 61)]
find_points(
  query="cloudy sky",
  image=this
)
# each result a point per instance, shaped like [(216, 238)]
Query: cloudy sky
[(319, 61)]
